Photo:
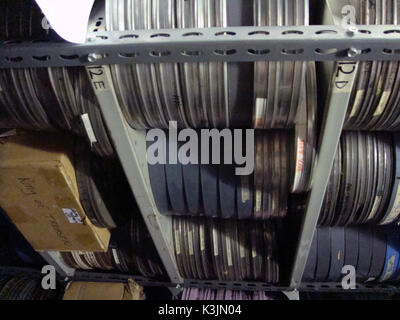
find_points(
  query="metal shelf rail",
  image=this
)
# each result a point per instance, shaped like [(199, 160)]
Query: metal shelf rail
[(247, 286), (111, 277), (233, 285), (371, 42)]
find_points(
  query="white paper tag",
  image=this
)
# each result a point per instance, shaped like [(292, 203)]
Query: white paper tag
[(177, 243), (88, 128), (215, 240), (242, 251), (258, 201), (245, 194), (115, 256), (357, 100), (202, 244), (375, 207), (259, 109), (382, 104), (229, 251), (253, 252), (72, 215), (191, 251)]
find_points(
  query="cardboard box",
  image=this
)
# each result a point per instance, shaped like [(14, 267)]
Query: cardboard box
[(38, 191), (104, 291)]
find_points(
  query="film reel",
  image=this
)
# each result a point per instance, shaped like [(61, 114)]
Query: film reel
[(229, 251), (200, 94), (372, 251), (365, 166)]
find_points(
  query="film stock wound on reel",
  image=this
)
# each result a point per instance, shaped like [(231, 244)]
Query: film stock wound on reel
[(224, 226)]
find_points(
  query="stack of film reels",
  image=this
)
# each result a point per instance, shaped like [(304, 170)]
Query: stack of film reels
[(131, 251), (46, 99), (108, 202), (25, 288), (62, 100), (210, 294), (225, 226), (195, 95), (358, 222), (373, 252)]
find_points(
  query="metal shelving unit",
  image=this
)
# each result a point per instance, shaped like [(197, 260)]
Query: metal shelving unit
[(214, 44)]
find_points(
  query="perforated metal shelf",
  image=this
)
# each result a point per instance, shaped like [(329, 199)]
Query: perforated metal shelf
[(234, 285), (319, 43)]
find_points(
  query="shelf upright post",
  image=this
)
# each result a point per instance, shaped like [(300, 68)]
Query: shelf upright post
[(344, 74), (130, 145)]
